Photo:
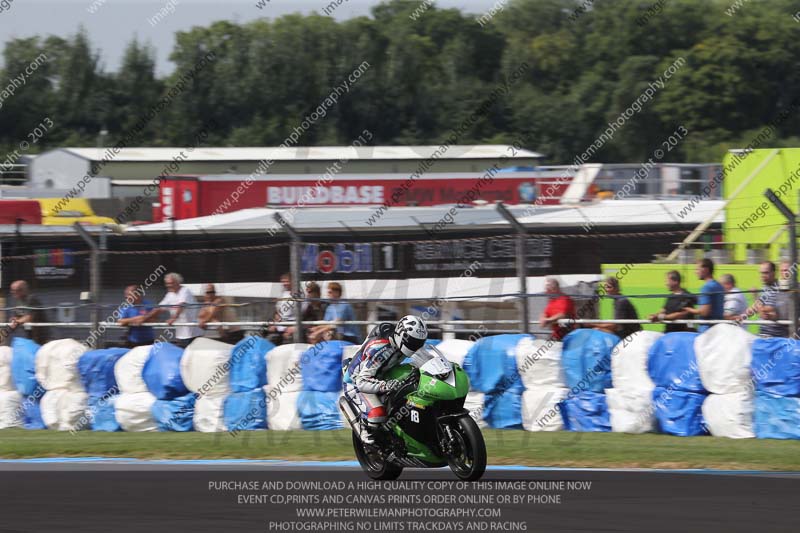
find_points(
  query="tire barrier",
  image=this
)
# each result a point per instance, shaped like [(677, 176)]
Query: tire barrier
[(724, 382)]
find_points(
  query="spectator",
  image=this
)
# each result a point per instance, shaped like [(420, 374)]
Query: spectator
[(559, 306), (133, 313), (285, 311), (785, 280), (711, 303), (217, 309), (28, 310), (181, 306), (210, 312), (770, 304), (677, 301), (735, 302), (623, 310), (336, 312), (312, 310)]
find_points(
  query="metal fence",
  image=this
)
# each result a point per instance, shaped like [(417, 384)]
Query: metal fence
[(256, 318), (252, 318)]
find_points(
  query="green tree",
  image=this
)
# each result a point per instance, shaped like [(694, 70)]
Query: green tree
[(82, 100), (135, 91), (428, 74)]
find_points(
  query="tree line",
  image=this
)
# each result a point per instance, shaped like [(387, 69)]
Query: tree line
[(586, 64)]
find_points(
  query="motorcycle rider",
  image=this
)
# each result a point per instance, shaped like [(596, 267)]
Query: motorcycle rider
[(377, 355)]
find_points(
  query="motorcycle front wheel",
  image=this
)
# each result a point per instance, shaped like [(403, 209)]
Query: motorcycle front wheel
[(373, 464), (468, 460)]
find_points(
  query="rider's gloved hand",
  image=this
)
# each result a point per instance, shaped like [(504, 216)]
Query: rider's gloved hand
[(392, 385)]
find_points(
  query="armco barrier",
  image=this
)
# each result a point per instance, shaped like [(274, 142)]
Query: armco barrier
[(677, 383)]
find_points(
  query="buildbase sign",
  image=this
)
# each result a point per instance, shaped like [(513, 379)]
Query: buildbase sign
[(194, 196), (322, 194)]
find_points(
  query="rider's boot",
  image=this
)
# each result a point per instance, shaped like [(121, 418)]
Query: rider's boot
[(376, 417)]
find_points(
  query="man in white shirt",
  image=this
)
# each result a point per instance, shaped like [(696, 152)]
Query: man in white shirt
[(735, 302), (285, 311), (181, 305)]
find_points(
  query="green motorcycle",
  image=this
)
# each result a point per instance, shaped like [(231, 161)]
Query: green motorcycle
[(427, 425)]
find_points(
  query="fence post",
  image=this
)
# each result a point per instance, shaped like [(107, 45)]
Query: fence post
[(294, 269), (94, 277), (522, 271)]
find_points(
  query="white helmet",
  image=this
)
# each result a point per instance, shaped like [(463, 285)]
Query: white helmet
[(409, 335)]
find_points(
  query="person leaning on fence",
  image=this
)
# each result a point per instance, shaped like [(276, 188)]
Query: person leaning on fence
[(217, 309), (771, 304), (285, 311), (312, 310), (735, 302), (711, 303), (28, 310), (132, 315), (559, 306), (674, 307), (785, 279), (181, 306), (623, 310), (337, 312)]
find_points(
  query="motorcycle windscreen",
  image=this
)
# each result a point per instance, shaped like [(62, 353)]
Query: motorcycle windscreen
[(437, 367), (425, 355)]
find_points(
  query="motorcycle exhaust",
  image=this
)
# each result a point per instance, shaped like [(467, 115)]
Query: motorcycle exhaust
[(353, 418), (349, 413)]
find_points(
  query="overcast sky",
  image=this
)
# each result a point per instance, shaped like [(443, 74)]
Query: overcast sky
[(115, 22)]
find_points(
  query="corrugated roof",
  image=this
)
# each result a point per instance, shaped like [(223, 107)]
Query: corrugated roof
[(626, 212), (341, 219), (301, 153), (354, 219), (367, 177)]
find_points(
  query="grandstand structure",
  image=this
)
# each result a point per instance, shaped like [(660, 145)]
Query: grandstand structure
[(395, 264)]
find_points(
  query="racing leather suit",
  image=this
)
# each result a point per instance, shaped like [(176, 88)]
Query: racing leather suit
[(364, 387)]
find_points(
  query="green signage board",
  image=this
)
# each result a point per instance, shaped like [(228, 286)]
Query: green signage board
[(750, 219), (639, 281)]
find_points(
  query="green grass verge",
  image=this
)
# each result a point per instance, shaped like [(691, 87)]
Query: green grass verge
[(504, 447)]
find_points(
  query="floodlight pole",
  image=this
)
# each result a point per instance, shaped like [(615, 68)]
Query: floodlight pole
[(522, 272), (294, 269), (792, 220)]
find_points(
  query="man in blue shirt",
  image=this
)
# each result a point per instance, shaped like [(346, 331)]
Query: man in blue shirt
[(132, 314), (337, 312), (711, 302)]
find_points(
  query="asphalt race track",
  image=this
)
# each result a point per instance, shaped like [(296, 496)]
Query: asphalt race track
[(153, 496)]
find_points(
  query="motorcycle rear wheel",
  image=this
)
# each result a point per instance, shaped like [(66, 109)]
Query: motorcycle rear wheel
[(373, 464), (468, 461)]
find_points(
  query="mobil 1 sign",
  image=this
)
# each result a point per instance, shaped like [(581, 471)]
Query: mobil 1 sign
[(422, 259), (321, 260)]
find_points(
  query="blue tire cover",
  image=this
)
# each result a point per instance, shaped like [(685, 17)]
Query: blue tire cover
[(248, 364), (162, 372)]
